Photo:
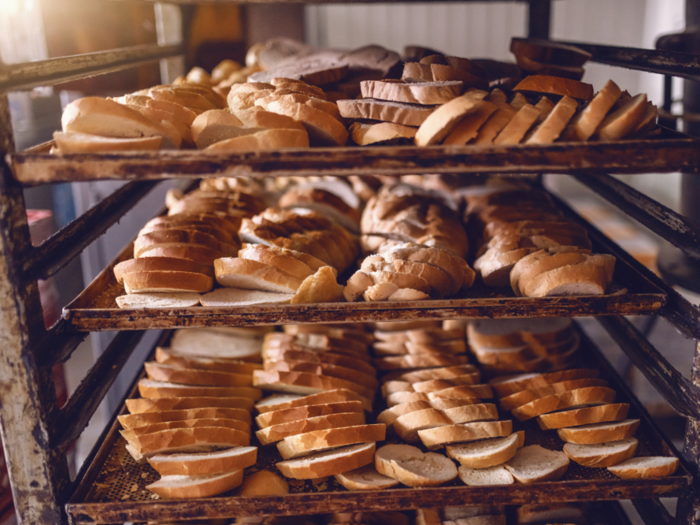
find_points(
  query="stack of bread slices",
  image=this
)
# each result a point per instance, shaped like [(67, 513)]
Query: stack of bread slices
[(582, 408), (526, 242), (192, 422), (174, 254), (466, 515), (549, 58), (504, 346)]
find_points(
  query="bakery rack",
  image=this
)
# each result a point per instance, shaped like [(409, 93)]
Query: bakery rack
[(36, 433)]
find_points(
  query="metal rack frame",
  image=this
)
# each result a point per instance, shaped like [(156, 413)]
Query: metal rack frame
[(35, 432)]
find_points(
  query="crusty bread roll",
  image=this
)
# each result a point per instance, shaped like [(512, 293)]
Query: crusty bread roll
[(328, 463), (267, 139), (143, 405), (330, 396), (446, 435), (180, 487), (485, 453), (600, 432), (412, 467), (316, 441), (158, 300), (365, 478), (194, 376), (278, 432), (129, 421), (496, 475), (602, 455), (584, 416), (645, 467), (543, 84), (277, 417), (534, 463), (157, 389), (200, 464)]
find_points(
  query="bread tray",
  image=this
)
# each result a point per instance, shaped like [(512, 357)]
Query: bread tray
[(670, 151), (633, 293), (113, 487)]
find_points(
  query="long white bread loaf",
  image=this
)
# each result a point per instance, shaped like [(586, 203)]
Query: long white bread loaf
[(144, 405), (304, 444), (602, 455), (365, 478), (277, 417), (330, 396), (412, 467), (235, 424), (584, 416), (166, 356), (599, 433), (446, 435), (275, 433), (157, 389), (199, 439), (180, 487), (496, 475), (329, 463), (204, 463), (305, 383), (486, 453), (645, 467), (535, 463), (194, 376), (129, 421)]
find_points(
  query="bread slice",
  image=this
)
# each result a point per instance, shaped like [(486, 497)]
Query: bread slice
[(266, 139), (542, 84), (275, 433), (445, 403), (443, 73), (216, 125), (412, 467), (305, 383), (468, 127), (600, 432), (289, 261), (555, 122), (486, 453), (194, 252), (595, 395), (463, 391), (518, 126), (602, 455), (425, 93), (143, 405), (584, 416), (158, 300), (198, 439), (181, 487), (129, 421), (168, 264), (526, 396), (73, 142), (398, 398), (533, 464), (398, 112), (322, 369), (166, 282), (496, 475), (235, 424), (408, 425), (408, 362), (416, 72), (254, 275), (624, 120), (331, 396), (193, 376), (446, 435), (505, 386), (471, 413), (228, 297), (594, 113), (328, 357), (323, 129), (432, 385), (383, 133), (158, 389), (365, 478), (645, 467), (277, 417), (390, 387), (495, 124), (319, 440), (166, 356), (149, 240), (440, 123), (204, 463), (445, 372), (390, 415), (329, 463)]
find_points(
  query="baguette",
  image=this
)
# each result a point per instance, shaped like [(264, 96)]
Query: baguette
[(180, 487), (158, 389), (602, 455), (143, 405), (486, 453), (365, 478), (329, 463), (277, 417), (599, 433), (194, 376), (275, 433), (330, 396), (534, 464), (204, 463), (446, 435), (584, 416), (412, 467), (316, 441), (646, 467), (130, 421)]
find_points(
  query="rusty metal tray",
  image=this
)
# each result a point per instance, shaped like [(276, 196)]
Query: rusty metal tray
[(113, 487), (669, 152)]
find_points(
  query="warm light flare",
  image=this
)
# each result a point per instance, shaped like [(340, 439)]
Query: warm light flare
[(11, 7)]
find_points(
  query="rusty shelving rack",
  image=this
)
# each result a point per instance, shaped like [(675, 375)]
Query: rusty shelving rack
[(35, 432)]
